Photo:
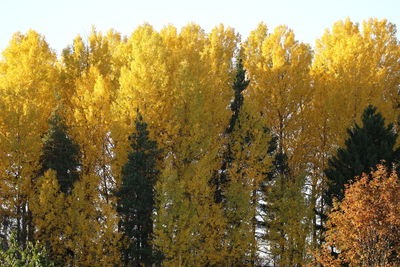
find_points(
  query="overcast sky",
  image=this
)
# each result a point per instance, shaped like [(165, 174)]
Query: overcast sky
[(61, 20)]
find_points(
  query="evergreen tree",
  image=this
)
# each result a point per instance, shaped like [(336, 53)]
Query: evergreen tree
[(365, 147), (239, 85), (136, 198), (60, 153), (283, 212)]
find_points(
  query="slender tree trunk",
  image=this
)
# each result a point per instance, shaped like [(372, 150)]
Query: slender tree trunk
[(254, 228), (314, 215)]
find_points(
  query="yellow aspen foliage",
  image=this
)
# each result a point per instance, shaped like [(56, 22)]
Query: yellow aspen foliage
[(91, 76), (28, 80), (99, 52), (74, 62), (78, 229), (50, 218), (380, 35), (91, 126), (103, 52), (93, 237), (161, 79), (354, 68), (280, 94), (119, 50), (91, 71), (93, 52), (221, 46), (202, 116), (91, 129), (280, 88), (142, 84)]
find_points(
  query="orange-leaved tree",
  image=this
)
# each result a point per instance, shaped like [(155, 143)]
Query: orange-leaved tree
[(364, 229)]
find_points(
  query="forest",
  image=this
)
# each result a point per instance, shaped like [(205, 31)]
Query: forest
[(182, 147)]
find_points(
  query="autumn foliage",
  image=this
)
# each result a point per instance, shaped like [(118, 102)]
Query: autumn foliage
[(365, 227), (236, 136)]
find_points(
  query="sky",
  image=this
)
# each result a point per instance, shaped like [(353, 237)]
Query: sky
[(60, 21)]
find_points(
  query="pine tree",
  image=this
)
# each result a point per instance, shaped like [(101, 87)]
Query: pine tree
[(136, 197), (61, 154), (365, 147)]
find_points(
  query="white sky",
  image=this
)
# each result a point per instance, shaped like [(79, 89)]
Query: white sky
[(62, 20)]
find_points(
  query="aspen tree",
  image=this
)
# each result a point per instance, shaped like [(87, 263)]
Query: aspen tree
[(50, 218), (280, 93), (28, 79), (278, 67), (91, 72)]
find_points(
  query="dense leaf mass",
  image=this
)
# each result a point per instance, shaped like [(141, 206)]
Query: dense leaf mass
[(186, 147)]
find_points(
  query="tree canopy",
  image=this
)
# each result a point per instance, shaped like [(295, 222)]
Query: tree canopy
[(237, 146)]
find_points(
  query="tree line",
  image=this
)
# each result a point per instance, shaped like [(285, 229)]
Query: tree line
[(193, 148)]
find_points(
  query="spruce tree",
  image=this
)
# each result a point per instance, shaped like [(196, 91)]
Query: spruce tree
[(136, 198), (60, 153), (239, 85), (366, 146)]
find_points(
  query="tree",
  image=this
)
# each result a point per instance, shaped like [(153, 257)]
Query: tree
[(57, 185), (28, 78), (60, 153), (34, 255), (245, 160), (365, 147), (89, 74), (354, 65), (239, 85), (286, 220), (166, 75), (280, 90), (50, 217), (280, 93), (284, 213), (92, 103), (249, 161), (365, 226), (92, 235), (136, 201)]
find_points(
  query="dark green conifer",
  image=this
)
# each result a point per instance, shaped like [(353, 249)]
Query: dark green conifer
[(61, 154), (136, 198), (239, 85), (366, 146)]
